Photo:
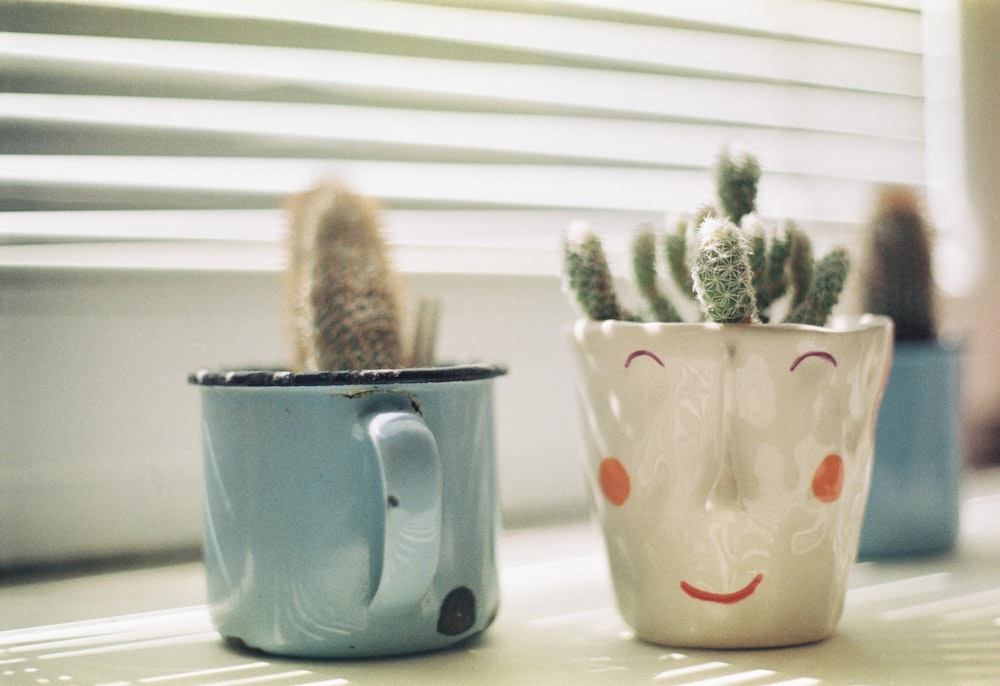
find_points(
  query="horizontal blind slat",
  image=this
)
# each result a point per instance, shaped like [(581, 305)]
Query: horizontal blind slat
[(323, 129), (623, 44), (787, 63), (883, 26), (477, 85), (521, 186), (871, 24), (185, 104)]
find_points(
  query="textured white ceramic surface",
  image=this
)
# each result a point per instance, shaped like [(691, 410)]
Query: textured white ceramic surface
[(729, 465)]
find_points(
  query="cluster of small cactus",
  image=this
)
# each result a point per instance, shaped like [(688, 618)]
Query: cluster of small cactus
[(726, 259), (897, 277), (341, 292)]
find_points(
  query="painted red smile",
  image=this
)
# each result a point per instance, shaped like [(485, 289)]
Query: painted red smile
[(724, 598)]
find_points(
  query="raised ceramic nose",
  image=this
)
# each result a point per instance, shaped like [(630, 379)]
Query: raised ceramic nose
[(725, 491)]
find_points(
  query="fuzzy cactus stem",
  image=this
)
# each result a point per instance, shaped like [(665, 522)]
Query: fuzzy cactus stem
[(644, 268), (830, 276), (757, 238), (768, 262), (676, 250), (737, 175), (898, 279), (343, 295), (722, 276), (589, 278), (800, 264)]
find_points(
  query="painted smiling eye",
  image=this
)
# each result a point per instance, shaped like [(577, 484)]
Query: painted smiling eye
[(818, 354), (642, 353)]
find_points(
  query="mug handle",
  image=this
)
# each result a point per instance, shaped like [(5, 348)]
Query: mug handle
[(411, 470)]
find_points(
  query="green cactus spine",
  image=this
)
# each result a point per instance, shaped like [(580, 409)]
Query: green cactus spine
[(342, 293), (722, 276), (897, 279)]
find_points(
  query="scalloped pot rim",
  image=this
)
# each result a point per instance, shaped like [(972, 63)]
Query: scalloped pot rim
[(840, 324)]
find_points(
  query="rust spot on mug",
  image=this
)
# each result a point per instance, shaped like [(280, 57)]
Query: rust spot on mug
[(458, 612)]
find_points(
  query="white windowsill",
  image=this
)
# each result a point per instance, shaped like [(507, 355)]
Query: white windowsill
[(919, 621)]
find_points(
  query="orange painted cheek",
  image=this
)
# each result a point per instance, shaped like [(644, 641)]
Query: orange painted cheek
[(828, 479), (615, 484)]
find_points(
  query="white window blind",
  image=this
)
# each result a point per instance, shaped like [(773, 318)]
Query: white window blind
[(114, 115), (483, 126)]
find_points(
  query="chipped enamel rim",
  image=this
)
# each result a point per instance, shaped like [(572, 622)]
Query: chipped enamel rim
[(285, 378)]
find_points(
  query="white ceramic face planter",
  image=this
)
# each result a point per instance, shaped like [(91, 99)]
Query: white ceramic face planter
[(729, 465)]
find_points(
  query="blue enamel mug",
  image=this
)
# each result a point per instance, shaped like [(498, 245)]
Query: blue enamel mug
[(350, 514)]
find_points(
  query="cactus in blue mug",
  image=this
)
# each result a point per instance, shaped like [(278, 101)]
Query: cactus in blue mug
[(343, 295)]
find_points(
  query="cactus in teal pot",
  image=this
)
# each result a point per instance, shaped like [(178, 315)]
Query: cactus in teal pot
[(897, 277)]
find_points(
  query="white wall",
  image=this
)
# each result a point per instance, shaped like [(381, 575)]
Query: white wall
[(980, 313), (99, 431)]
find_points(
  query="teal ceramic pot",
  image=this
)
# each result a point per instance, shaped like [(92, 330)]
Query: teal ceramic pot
[(913, 503)]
